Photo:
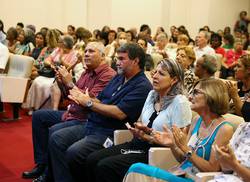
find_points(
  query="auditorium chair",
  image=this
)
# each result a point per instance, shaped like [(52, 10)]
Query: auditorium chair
[(14, 81)]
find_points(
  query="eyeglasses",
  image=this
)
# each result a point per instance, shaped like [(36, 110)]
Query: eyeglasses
[(196, 92)]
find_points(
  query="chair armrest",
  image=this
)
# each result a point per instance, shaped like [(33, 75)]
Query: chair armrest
[(206, 176), (122, 136), (161, 157)]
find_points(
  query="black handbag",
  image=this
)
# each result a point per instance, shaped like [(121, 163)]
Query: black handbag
[(47, 72)]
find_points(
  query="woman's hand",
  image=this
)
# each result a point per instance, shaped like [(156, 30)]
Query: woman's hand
[(180, 139), (65, 75), (141, 131), (142, 127), (232, 89), (164, 138), (226, 157)]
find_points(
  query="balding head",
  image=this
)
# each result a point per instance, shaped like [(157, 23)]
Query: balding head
[(206, 66)]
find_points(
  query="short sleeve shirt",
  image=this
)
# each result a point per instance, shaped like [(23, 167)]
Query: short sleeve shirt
[(128, 97)]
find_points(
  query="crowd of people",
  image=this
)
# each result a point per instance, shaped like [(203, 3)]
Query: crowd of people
[(87, 85)]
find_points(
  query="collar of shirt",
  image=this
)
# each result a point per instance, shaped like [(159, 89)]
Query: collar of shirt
[(97, 70)]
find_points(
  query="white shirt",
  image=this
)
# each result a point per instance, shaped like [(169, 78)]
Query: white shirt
[(4, 56), (177, 113), (240, 143), (199, 52)]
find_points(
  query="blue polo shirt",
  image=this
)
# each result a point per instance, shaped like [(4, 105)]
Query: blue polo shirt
[(129, 97)]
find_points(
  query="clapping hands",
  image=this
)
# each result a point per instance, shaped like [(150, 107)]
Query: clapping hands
[(226, 157), (141, 131), (78, 96)]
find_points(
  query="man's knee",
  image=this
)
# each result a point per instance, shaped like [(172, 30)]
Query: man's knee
[(56, 141), (104, 165), (74, 158), (92, 161)]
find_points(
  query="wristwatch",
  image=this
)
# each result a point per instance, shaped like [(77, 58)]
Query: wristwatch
[(188, 154), (89, 104)]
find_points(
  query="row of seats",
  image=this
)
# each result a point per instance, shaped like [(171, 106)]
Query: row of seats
[(14, 81)]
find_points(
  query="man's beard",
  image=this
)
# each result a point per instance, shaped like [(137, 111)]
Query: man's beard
[(120, 71)]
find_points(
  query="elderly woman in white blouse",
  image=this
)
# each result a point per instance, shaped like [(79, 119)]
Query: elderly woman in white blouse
[(235, 157)]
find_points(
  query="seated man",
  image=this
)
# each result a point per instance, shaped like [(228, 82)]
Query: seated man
[(120, 102), (96, 77)]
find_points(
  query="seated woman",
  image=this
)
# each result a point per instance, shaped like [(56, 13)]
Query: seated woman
[(210, 100), (39, 91), (186, 57), (231, 59), (166, 104), (240, 92), (52, 37), (12, 39), (40, 43), (235, 156), (26, 40)]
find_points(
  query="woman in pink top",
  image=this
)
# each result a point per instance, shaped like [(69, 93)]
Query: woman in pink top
[(40, 89), (231, 59)]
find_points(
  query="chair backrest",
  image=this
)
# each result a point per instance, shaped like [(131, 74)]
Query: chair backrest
[(234, 120), (20, 66)]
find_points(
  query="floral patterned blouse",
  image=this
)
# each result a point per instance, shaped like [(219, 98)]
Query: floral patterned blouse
[(240, 144)]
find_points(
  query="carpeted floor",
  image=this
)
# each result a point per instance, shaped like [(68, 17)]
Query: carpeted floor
[(16, 153)]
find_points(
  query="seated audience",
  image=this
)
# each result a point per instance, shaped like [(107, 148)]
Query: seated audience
[(202, 45), (174, 34), (228, 41), (71, 30), (82, 37), (39, 92), (182, 40), (121, 101), (19, 27), (110, 50), (160, 45), (240, 91), (194, 151), (52, 38), (165, 105), (31, 27), (234, 158), (26, 39), (186, 57), (227, 30), (40, 43), (231, 59), (111, 36), (205, 67), (216, 42), (149, 63), (12, 39), (130, 36), (96, 77), (158, 31)]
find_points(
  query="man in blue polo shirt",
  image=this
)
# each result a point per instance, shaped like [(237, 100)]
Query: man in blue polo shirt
[(120, 102)]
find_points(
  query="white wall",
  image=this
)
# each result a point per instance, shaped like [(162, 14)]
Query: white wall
[(127, 13)]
